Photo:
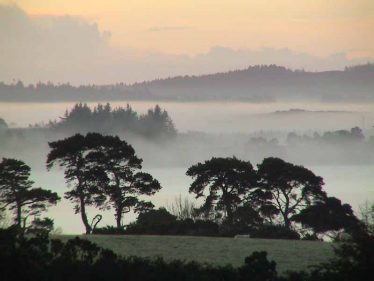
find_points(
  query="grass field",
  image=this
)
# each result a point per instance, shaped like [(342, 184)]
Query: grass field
[(288, 254)]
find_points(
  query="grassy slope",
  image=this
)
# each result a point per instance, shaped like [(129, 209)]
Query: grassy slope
[(288, 254)]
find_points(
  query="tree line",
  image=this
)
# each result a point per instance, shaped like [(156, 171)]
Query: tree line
[(277, 83), (105, 119), (104, 171)]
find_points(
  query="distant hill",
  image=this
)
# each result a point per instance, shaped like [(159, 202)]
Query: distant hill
[(255, 84), (294, 111)]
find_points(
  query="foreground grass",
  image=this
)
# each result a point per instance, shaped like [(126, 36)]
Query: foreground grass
[(288, 254)]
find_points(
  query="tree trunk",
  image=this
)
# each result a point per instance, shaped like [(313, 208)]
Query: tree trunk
[(287, 222), (229, 214), (119, 217), (84, 216), (228, 206), (19, 215)]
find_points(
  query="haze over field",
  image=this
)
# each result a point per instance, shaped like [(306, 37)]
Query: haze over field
[(250, 78), (205, 130)]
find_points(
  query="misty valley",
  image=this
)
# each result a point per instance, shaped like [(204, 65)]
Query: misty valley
[(334, 142), (193, 140)]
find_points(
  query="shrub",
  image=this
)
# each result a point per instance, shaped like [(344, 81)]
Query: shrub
[(274, 232)]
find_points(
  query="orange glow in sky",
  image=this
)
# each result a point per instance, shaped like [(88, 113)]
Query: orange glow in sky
[(318, 27)]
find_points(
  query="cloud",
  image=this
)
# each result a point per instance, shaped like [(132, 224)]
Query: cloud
[(70, 49), (33, 48)]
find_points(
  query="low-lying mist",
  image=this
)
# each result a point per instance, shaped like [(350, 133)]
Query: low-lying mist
[(327, 140)]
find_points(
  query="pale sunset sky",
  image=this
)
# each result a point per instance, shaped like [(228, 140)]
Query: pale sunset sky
[(319, 28)]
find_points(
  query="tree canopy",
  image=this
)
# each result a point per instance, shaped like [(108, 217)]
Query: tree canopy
[(103, 171), (291, 187), (18, 195), (105, 119), (83, 177), (124, 181), (327, 215), (222, 182)]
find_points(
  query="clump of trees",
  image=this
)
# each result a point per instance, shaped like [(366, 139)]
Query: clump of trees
[(278, 197), (105, 119), (162, 222), (3, 124), (102, 171), (276, 200), (18, 195), (227, 179), (342, 137)]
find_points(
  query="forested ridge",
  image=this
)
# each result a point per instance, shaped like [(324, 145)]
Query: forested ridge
[(261, 83)]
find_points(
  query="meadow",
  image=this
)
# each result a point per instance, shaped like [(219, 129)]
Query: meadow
[(288, 254)]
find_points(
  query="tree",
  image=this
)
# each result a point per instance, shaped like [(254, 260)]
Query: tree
[(81, 175), (157, 123), (17, 193), (327, 215), (291, 187), (3, 124), (155, 221), (100, 167), (366, 214), (182, 208), (227, 181), (41, 226), (247, 216), (125, 182)]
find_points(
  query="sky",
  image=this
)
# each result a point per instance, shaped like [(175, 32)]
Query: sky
[(117, 40)]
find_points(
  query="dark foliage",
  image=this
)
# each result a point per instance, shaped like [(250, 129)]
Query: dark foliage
[(18, 195), (41, 226), (42, 259), (340, 137), (103, 171), (223, 182), (353, 260), (104, 119), (328, 215), (85, 179), (274, 232), (109, 230), (291, 187), (161, 222)]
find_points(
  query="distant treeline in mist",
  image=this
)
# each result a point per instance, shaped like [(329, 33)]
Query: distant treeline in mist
[(103, 118), (261, 83), (155, 135)]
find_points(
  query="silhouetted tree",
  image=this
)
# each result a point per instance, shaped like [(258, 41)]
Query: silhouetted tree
[(104, 119), (292, 188), (3, 124), (258, 268), (156, 221), (81, 175), (366, 214), (182, 208), (77, 119), (17, 193), (157, 123), (227, 181), (327, 215), (125, 118), (41, 226), (124, 183), (247, 216)]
